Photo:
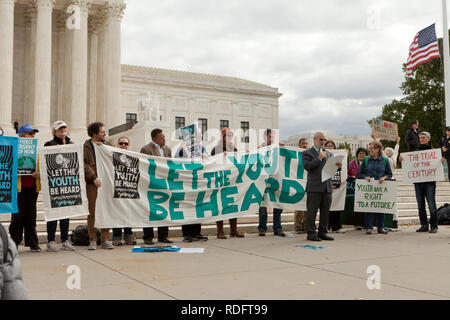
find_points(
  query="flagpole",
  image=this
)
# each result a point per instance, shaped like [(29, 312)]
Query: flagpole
[(445, 44)]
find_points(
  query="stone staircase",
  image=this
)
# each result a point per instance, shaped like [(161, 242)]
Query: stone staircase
[(406, 203)]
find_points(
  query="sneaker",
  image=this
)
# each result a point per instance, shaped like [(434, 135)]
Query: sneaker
[(107, 245), (35, 248), (382, 231), (66, 245), (340, 231), (200, 237), (434, 230), (369, 231), (422, 229), (262, 233), (51, 246), (92, 245), (129, 239), (187, 239), (279, 233), (117, 243)]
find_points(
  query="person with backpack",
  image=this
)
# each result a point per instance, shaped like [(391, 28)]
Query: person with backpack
[(377, 167), (11, 283), (59, 131), (426, 190)]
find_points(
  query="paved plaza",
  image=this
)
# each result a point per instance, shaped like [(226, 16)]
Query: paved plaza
[(412, 266)]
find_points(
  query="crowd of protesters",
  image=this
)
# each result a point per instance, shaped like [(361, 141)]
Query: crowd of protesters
[(372, 163)]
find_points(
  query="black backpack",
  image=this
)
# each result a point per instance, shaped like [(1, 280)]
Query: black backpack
[(443, 214), (4, 239), (80, 236)]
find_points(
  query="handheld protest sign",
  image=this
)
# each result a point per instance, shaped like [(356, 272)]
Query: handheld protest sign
[(27, 156), (384, 130), (375, 197), (423, 166), (62, 182), (9, 147)]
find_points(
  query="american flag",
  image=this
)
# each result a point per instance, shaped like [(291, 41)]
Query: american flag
[(423, 49)]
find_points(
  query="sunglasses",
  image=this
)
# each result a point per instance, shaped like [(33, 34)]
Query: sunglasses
[(322, 139), (123, 143)]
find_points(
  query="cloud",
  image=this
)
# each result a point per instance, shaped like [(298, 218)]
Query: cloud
[(336, 62)]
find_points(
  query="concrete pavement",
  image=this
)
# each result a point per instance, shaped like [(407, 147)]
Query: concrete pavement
[(413, 266)]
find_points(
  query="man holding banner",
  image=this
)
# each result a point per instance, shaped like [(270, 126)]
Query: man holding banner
[(97, 132), (319, 193), (157, 147)]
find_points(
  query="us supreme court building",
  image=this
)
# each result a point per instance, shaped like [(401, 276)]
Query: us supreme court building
[(61, 60)]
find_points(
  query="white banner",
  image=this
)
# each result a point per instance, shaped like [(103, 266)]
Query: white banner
[(145, 191), (375, 197), (422, 166), (62, 181)]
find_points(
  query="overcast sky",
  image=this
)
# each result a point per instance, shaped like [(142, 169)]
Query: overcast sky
[(336, 62)]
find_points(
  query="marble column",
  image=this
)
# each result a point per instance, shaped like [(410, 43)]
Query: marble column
[(30, 50), (114, 13), (61, 27), (101, 69), (6, 63), (92, 88), (79, 67), (43, 66)]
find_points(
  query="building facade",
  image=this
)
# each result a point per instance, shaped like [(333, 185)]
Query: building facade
[(211, 101), (61, 60)]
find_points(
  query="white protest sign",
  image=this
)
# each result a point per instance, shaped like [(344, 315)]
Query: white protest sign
[(62, 181), (330, 167), (422, 166), (375, 197)]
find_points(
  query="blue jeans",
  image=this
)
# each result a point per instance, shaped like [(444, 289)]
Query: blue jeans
[(117, 232), (426, 190), (262, 226), (369, 220)]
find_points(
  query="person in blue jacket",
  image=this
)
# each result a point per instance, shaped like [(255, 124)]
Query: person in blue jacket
[(377, 167)]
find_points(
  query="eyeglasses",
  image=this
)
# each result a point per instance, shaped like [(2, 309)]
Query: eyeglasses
[(229, 134), (123, 143), (322, 139)]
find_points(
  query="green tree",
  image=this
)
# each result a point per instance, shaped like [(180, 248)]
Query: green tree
[(423, 101)]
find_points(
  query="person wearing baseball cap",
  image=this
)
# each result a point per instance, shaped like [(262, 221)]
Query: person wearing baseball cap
[(444, 144), (28, 187), (59, 131), (412, 137)]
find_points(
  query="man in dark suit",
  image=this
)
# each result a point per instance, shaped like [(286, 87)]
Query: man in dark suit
[(157, 147), (319, 194)]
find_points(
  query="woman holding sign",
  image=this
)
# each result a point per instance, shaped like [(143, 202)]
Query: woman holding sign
[(377, 167), (426, 190)]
